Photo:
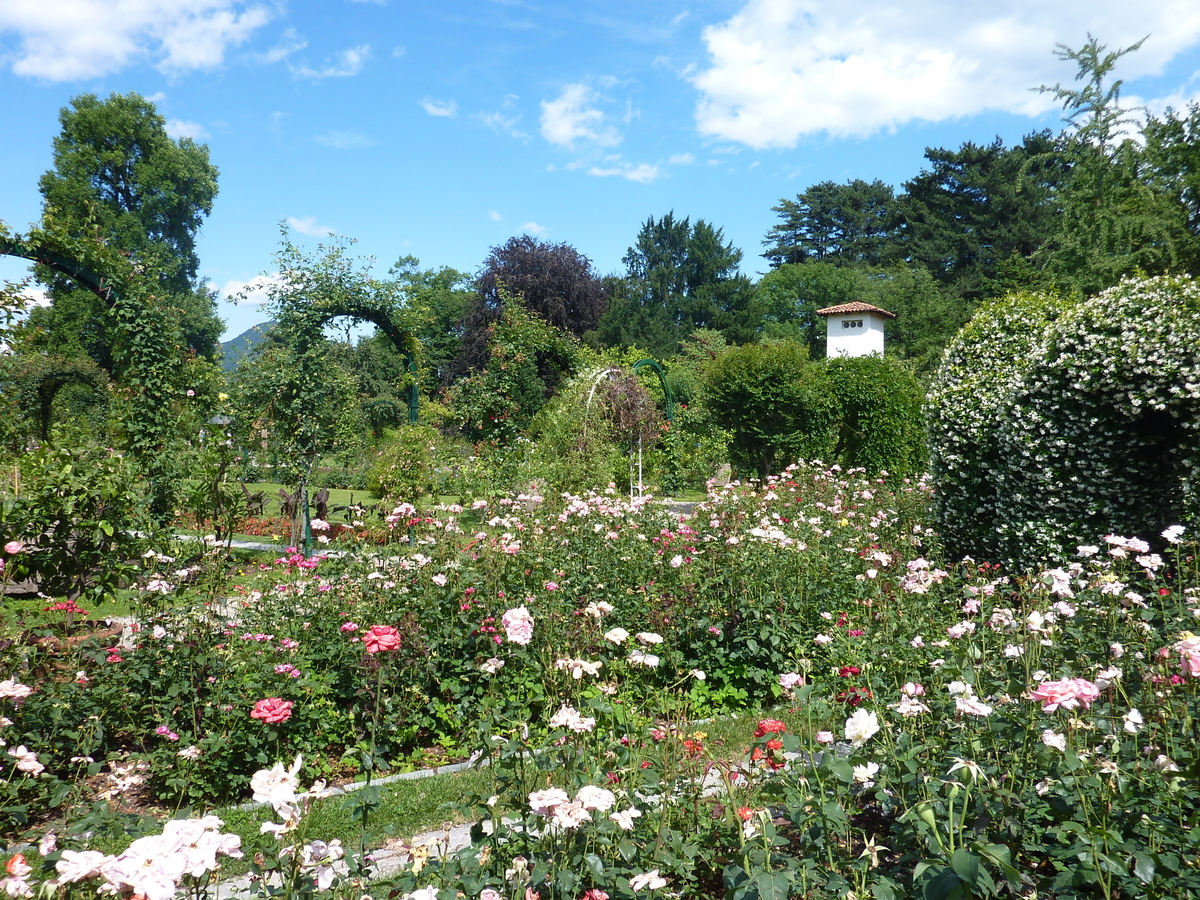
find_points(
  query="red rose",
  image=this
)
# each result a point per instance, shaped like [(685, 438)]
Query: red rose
[(769, 726), (272, 710), (381, 638)]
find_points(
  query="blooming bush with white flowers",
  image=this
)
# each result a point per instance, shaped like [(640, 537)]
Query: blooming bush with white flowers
[(1053, 421)]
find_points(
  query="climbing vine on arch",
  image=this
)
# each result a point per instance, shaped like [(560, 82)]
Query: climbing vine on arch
[(148, 345), (311, 291)]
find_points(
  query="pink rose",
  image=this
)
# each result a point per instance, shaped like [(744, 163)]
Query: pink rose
[(381, 638), (1069, 693), (518, 625), (272, 710), (1189, 656)]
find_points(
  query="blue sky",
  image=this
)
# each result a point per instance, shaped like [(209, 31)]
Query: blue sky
[(441, 131)]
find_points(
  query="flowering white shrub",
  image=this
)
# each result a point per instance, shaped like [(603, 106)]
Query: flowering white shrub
[(1052, 421)]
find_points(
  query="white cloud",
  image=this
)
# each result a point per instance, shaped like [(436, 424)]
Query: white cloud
[(347, 64), (289, 43), (495, 216), (254, 292), (782, 70), (90, 38), (345, 140), (681, 159), (502, 121), (441, 108), (573, 117), (643, 173), (182, 128), (308, 226), (533, 228), (398, 51)]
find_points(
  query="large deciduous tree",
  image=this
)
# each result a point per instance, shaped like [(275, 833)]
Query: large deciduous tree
[(554, 282), (116, 169)]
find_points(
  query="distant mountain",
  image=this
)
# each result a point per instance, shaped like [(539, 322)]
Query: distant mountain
[(244, 344)]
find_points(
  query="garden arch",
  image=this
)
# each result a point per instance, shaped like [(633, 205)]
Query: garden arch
[(147, 336), (301, 322), (40, 383)]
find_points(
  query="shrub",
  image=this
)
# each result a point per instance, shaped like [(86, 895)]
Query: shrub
[(404, 468), (880, 424), (1054, 421), (771, 400)]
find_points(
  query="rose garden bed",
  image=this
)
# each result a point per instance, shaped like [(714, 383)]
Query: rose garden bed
[(953, 729)]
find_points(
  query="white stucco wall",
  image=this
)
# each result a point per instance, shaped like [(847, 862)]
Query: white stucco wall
[(854, 334)]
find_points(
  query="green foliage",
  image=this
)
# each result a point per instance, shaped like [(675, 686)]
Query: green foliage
[(772, 401), (38, 381), (78, 516), (846, 224), (115, 165), (880, 426), (1054, 421), (308, 406), (403, 469), (527, 361), (680, 276)]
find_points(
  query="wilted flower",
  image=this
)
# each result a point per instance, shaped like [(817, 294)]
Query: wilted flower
[(624, 818), (650, 881), (578, 667)]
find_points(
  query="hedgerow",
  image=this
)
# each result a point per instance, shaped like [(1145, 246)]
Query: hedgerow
[(1054, 420)]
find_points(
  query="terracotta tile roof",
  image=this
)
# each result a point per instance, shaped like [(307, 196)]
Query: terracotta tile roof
[(855, 307)]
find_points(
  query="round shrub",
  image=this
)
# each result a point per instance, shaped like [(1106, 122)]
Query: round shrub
[(880, 425), (1053, 421), (772, 400), (404, 468)]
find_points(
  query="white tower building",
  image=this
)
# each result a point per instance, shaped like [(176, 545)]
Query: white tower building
[(854, 329)]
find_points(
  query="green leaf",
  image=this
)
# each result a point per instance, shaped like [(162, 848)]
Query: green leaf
[(1143, 867), (940, 882), (966, 865), (772, 885)]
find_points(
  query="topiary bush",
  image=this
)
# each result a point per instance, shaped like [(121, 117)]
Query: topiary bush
[(772, 401), (880, 424), (1053, 421)]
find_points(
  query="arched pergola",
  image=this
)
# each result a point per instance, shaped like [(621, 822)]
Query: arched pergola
[(147, 337)]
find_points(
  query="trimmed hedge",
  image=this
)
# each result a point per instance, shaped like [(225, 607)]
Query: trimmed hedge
[(1052, 421)]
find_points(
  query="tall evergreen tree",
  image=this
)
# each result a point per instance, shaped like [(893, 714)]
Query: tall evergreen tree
[(679, 276), (976, 207), (1116, 216), (840, 223)]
